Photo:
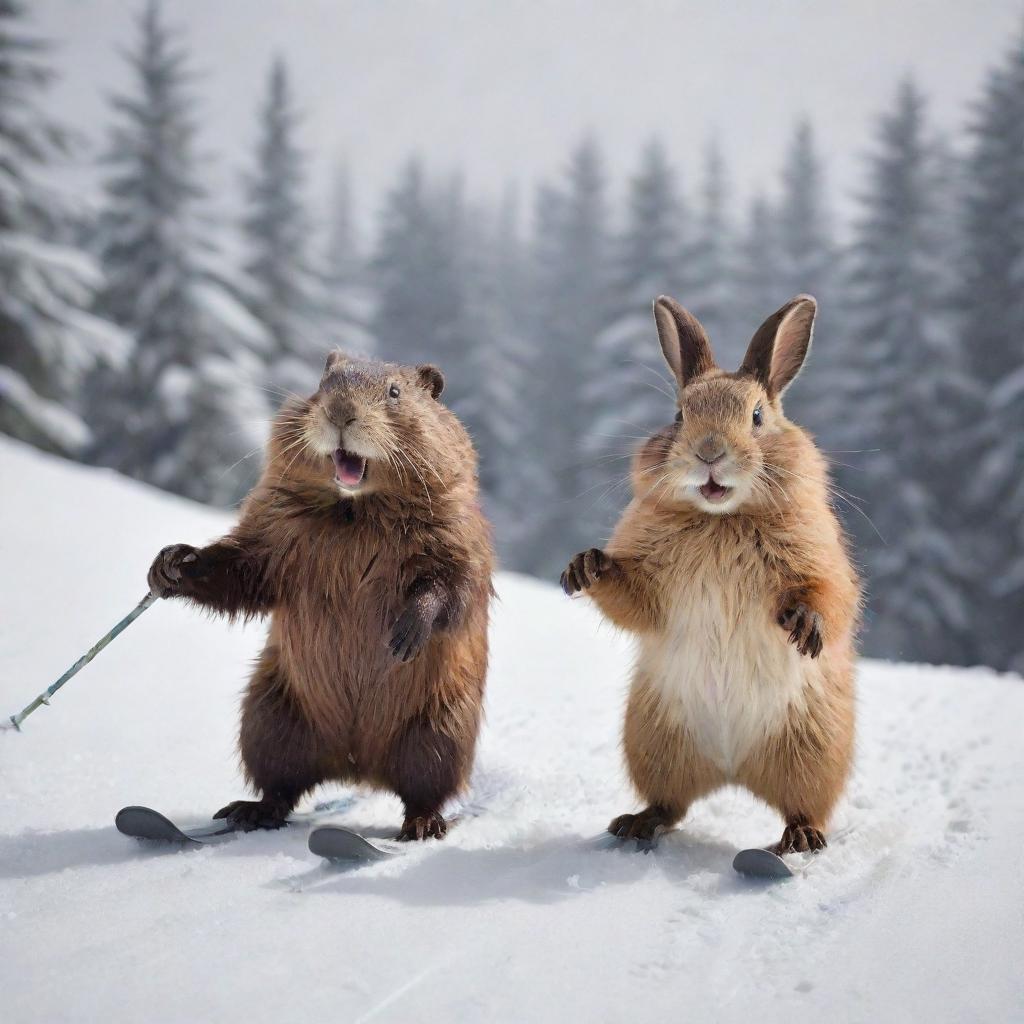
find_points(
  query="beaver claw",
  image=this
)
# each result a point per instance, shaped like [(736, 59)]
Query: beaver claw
[(586, 569), (804, 627), (800, 838), (248, 815), (423, 826), (165, 574), (410, 633)]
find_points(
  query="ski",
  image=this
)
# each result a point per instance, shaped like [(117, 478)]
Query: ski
[(758, 863), (341, 845), (146, 823)]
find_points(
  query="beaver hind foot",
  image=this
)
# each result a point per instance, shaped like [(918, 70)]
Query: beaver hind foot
[(800, 837), (249, 815), (423, 826), (645, 827)]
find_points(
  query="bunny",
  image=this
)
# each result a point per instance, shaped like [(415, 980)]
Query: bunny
[(732, 571)]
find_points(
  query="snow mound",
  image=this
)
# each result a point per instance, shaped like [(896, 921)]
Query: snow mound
[(524, 912)]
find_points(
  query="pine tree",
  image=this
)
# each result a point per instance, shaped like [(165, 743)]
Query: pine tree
[(808, 262), (490, 373), (992, 300), (418, 293), (905, 395), (710, 292), (633, 396), (759, 289), (571, 263), (343, 252), (49, 340), (285, 291), (185, 412)]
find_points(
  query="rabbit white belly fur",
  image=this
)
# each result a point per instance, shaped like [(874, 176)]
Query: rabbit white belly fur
[(724, 669)]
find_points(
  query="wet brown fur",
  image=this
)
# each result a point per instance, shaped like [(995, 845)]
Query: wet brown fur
[(328, 699), (780, 559)]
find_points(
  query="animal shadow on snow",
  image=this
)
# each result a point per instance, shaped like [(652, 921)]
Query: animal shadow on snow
[(36, 852), (546, 871)]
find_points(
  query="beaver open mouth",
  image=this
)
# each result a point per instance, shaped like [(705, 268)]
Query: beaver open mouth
[(349, 469), (713, 491)]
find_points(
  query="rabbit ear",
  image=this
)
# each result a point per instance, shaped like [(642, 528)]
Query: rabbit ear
[(780, 345), (683, 340)]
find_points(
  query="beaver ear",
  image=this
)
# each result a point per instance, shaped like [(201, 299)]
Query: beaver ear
[(780, 345), (334, 359), (683, 340), (431, 378)]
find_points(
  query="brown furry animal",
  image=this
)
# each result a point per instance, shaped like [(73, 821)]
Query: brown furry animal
[(365, 543), (730, 567)]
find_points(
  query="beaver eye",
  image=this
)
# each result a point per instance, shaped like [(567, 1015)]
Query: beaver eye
[(758, 417), (394, 391)]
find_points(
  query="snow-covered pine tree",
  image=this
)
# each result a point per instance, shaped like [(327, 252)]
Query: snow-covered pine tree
[(633, 395), (186, 411), (755, 265), (348, 300), (489, 375), (49, 339), (992, 303), (344, 260), (416, 277), (710, 292), (571, 267), (808, 261), (906, 392), (286, 294)]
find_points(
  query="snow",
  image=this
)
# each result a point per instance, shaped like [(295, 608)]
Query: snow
[(523, 913)]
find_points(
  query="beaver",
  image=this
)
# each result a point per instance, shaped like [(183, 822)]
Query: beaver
[(365, 543)]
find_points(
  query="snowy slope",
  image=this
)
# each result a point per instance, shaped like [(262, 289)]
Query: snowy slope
[(914, 912)]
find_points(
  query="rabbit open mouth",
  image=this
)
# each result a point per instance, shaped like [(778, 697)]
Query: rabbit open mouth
[(349, 468), (714, 492)]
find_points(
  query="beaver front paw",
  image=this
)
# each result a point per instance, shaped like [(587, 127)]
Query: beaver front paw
[(411, 631), (165, 574), (586, 569), (804, 627)]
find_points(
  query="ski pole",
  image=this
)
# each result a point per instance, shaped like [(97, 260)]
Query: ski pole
[(44, 697)]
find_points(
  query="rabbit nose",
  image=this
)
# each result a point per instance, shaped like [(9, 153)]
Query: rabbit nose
[(710, 450)]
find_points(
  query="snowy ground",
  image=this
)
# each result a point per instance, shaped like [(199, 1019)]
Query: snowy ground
[(915, 912)]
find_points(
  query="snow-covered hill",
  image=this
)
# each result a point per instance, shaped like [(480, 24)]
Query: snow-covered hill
[(913, 913)]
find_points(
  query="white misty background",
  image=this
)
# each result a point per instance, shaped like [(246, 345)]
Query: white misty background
[(178, 253)]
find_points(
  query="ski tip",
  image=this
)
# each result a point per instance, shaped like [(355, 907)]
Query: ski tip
[(145, 823), (343, 846), (757, 863)]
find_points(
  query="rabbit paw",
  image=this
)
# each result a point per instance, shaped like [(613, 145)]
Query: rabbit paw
[(586, 569), (804, 626)]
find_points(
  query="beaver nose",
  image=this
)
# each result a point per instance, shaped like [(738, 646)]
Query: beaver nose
[(342, 413), (711, 449)]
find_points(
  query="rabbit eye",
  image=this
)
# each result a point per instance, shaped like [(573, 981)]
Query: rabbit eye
[(394, 391), (679, 417), (758, 417)]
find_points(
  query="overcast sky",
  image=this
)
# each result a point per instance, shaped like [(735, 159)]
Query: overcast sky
[(503, 88)]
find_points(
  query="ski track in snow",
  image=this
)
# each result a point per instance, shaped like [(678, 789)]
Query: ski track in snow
[(527, 911)]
